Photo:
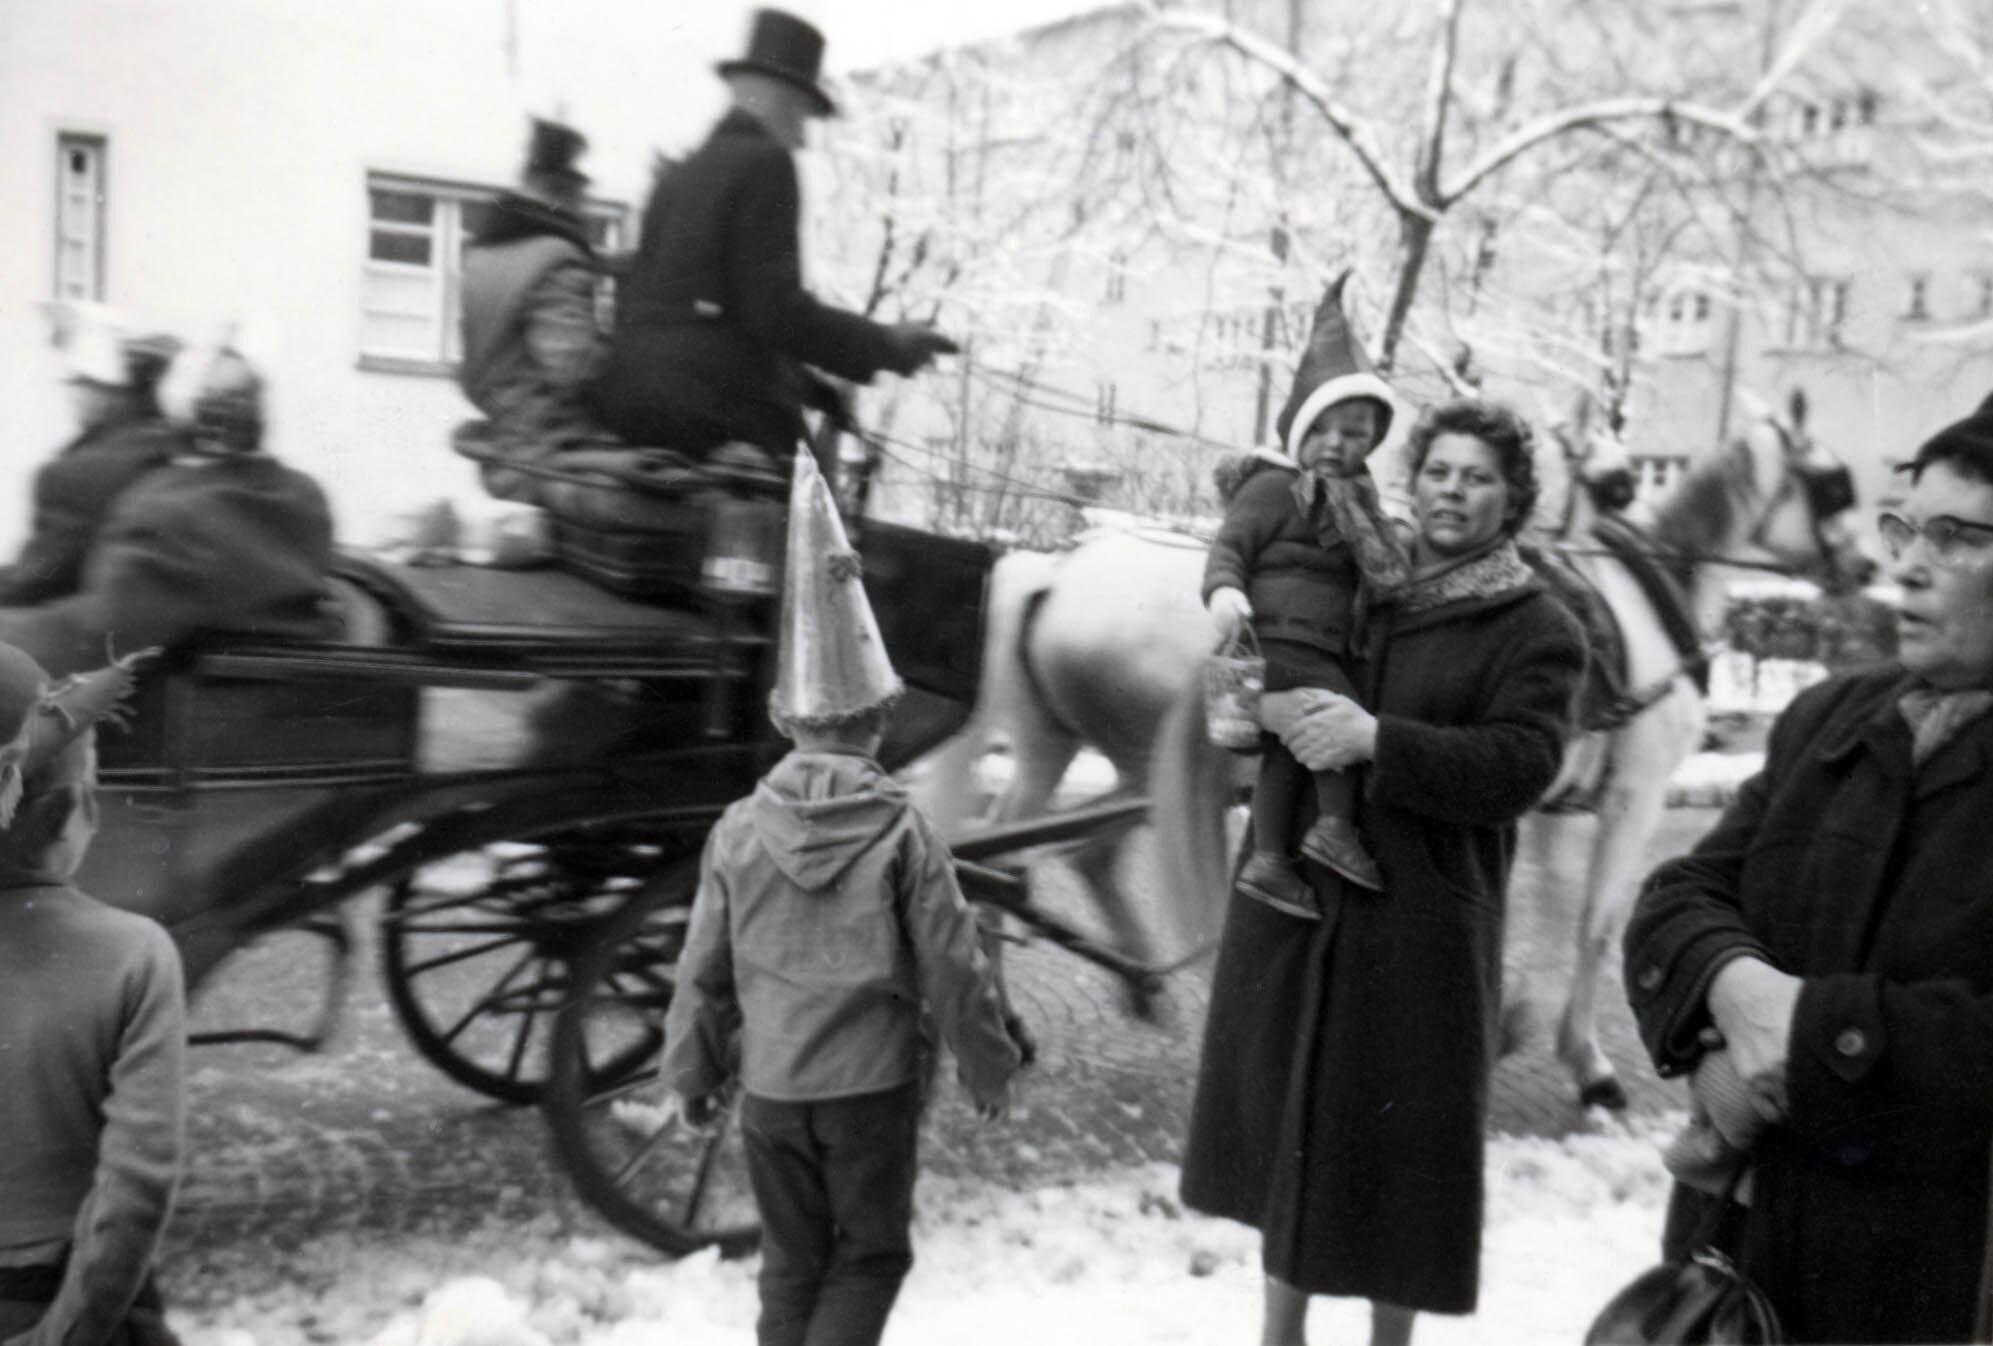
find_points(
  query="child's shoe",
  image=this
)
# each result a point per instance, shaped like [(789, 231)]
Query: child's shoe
[(1333, 841), (1267, 877)]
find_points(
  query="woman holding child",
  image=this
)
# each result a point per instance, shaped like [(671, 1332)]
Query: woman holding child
[(1343, 1091)]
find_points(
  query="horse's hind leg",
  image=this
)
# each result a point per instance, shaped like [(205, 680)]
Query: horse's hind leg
[(1627, 818)]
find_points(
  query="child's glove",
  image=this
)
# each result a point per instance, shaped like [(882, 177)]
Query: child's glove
[(1229, 609), (992, 1109)]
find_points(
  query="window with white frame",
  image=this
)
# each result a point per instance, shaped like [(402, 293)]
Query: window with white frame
[(411, 292), (1917, 297), (80, 201), (1816, 309), (1686, 322)]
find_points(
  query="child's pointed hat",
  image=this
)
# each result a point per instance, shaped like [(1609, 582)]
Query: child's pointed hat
[(831, 665), (1334, 368), (38, 719)]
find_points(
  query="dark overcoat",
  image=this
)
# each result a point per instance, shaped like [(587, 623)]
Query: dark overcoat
[(73, 493), (1874, 885), (712, 319), (1343, 1091), (240, 544)]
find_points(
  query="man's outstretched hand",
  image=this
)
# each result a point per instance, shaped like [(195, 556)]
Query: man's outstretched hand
[(915, 345)]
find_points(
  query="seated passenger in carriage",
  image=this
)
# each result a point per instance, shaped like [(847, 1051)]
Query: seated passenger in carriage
[(121, 435), (1293, 552), (94, 1011), (714, 328), (223, 538), (531, 346)]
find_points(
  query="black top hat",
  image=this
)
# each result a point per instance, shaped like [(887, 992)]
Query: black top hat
[(552, 150), (782, 45)]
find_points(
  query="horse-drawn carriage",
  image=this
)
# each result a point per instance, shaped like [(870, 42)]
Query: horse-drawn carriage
[(524, 765)]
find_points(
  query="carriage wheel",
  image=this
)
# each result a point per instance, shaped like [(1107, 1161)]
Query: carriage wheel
[(673, 1187), (476, 949)]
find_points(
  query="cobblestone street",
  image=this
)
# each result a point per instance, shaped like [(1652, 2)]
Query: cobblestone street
[(368, 1141)]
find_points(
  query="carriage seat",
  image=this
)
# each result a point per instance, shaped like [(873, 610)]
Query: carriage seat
[(637, 520)]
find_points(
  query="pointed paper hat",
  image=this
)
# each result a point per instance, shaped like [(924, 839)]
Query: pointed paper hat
[(38, 720), (1334, 368), (831, 665)]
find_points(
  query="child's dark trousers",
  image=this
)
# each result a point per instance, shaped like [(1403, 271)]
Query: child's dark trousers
[(834, 1184)]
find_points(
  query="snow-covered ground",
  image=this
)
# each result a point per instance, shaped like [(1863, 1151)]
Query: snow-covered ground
[(1112, 1260)]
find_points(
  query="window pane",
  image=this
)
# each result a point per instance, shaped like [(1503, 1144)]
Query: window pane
[(403, 207), (412, 249)]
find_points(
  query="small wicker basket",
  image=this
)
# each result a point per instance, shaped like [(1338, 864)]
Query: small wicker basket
[(1234, 677)]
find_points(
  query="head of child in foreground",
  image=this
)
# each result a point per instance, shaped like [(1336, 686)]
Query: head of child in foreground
[(863, 732), (1343, 437)]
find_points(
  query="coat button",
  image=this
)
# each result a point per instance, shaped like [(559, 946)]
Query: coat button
[(1650, 977), (1851, 1042)]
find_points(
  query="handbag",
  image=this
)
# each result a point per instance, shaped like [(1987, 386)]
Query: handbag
[(1703, 1299), (1234, 678)]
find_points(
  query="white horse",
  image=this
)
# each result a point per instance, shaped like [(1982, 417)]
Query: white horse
[(1100, 646)]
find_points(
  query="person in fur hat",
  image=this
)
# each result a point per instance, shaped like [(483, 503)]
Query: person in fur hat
[(829, 930), (92, 1040), (222, 538), (531, 345), (1301, 549), (121, 435)]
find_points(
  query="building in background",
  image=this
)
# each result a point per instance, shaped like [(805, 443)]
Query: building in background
[(312, 170)]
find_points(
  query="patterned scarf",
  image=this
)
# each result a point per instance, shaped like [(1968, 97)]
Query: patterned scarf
[(1347, 509), (1936, 717), (1497, 568)]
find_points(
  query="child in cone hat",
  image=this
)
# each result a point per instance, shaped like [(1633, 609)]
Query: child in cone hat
[(829, 928), (95, 1034), (1301, 551)]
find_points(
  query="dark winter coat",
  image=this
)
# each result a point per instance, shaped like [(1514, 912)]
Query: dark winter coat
[(531, 349), (238, 544), (713, 319), (1342, 1095), (73, 492), (1873, 885), (1297, 569)]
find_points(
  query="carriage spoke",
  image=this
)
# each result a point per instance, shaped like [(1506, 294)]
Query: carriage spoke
[(464, 954), (489, 999)]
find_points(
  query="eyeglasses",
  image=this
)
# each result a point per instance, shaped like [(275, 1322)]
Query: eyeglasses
[(1950, 541)]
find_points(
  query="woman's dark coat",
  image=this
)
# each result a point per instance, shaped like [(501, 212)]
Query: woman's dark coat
[(1875, 887), (73, 494), (1343, 1092), (243, 544), (713, 319)]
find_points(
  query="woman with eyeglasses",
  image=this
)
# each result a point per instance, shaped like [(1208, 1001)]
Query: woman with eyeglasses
[(1834, 936)]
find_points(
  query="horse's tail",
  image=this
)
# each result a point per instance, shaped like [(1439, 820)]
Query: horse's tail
[(945, 778), (1191, 791)]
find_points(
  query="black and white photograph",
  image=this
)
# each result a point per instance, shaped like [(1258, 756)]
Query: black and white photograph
[(842, 673)]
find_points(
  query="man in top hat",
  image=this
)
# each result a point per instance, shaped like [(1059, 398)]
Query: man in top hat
[(829, 930), (121, 435), (531, 346), (713, 324), (1300, 551), (95, 1035), (223, 538)]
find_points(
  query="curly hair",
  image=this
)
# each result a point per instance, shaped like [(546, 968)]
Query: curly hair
[(1501, 429)]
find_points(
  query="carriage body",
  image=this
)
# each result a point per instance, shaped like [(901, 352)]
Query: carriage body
[(263, 783)]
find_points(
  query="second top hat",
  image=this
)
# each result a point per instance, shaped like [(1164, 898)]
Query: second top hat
[(551, 150), (788, 48)]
